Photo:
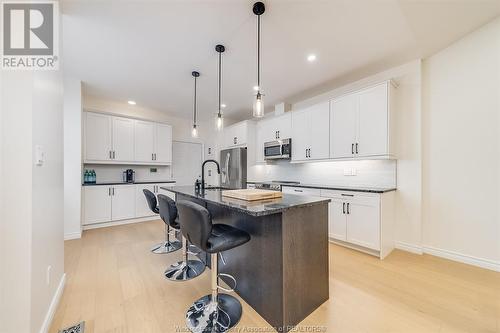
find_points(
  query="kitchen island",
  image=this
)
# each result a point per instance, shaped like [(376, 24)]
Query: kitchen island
[(283, 271)]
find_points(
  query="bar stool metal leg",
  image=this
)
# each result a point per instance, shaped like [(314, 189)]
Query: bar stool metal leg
[(167, 246), (215, 312), (186, 269)]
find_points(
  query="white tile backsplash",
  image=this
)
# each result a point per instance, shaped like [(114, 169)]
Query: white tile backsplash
[(114, 173), (369, 173)]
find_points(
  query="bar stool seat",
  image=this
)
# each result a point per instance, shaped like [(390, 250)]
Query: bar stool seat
[(167, 246), (215, 312)]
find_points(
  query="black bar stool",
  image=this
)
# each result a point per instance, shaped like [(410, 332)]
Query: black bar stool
[(167, 246), (215, 312), (186, 269)]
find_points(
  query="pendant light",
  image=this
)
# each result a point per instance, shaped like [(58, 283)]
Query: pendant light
[(219, 121), (194, 131), (258, 105)]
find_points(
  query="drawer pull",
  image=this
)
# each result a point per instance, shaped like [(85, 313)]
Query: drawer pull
[(298, 190), (347, 195)]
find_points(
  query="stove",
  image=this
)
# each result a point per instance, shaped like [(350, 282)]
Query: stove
[(275, 185)]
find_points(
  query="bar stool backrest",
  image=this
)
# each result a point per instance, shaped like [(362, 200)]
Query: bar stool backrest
[(196, 223), (168, 209), (151, 199)]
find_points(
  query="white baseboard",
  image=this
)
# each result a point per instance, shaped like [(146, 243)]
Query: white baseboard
[(53, 305), (463, 258), (417, 249), (122, 222), (73, 235)]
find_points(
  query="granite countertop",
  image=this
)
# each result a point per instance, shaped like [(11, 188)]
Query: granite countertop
[(254, 208), (335, 187), (124, 183)]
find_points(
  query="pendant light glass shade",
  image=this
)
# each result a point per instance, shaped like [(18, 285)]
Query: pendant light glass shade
[(219, 121), (258, 106), (194, 132)]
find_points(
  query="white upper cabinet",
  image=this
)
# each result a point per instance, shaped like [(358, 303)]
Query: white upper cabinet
[(373, 129), (112, 140), (311, 133), (343, 126), (360, 123), (236, 135), (163, 144), (275, 128), (123, 139), (144, 141), (98, 137)]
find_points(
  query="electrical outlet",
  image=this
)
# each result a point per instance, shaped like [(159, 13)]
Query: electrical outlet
[(153, 170), (49, 268)]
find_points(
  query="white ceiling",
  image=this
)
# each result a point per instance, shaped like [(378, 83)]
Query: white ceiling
[(146, 50)]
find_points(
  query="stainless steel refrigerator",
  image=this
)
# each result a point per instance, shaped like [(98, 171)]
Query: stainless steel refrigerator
[(233, 164)]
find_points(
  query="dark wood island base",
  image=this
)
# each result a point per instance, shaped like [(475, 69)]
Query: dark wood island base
[(283, 271)]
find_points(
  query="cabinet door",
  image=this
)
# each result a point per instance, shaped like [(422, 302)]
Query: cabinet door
[(141, 204), (163, 144), (123, 202), (319, 133), (263, 135), (373, 121), (337, 219), (300, 135), (343, 125), (97, 204), (314, 192), (123, 139), (144, 141), (228, 137), (363, 223), (97, 137), (284, 126), (240, 133)]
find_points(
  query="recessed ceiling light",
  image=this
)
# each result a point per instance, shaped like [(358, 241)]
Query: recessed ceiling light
[(311, 57), (132, 102), (223, 106), (255, 88)]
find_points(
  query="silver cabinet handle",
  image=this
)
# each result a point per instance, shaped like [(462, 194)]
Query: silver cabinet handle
[(113, 191), (348, 211), (343, 208), (114, 154), (109, 191), (110, 155), (347, 195), (352, 148), (357, 148), (298, 190)]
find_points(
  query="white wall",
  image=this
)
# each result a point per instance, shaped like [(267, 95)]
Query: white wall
[(461, 146), (15, 222), (31, 221), (47, 249), (72, 157)]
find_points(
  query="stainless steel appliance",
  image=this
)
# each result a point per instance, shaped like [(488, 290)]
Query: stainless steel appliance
[(278, 150), (275, 185), (233, 164), (129, 176)]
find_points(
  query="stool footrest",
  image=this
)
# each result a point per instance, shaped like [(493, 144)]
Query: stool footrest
[(233, 288)]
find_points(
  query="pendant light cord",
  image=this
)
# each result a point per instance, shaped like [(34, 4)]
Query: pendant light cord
[(220, 69), (258, 52), (194, 109)]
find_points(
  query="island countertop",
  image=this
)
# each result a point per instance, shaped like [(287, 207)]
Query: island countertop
[(254, 208)]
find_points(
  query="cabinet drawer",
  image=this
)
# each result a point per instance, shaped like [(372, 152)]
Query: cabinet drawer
[(301, 191), (351, 196)]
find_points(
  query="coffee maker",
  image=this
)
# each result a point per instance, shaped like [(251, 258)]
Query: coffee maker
[(129, 176)]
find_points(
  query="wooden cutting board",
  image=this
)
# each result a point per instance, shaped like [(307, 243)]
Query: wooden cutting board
[(252, 194)]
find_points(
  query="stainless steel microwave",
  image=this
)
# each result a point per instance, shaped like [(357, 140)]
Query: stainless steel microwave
[(279, 149)]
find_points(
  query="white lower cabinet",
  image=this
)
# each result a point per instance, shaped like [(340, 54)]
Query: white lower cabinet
[(103, 203), (141, 205), (122, 202), (97, 204), (362, 220)]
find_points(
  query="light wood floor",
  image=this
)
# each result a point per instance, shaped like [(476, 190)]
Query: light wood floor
[(116, 285)]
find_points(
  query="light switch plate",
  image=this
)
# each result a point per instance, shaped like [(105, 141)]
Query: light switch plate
[(39, 155)]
